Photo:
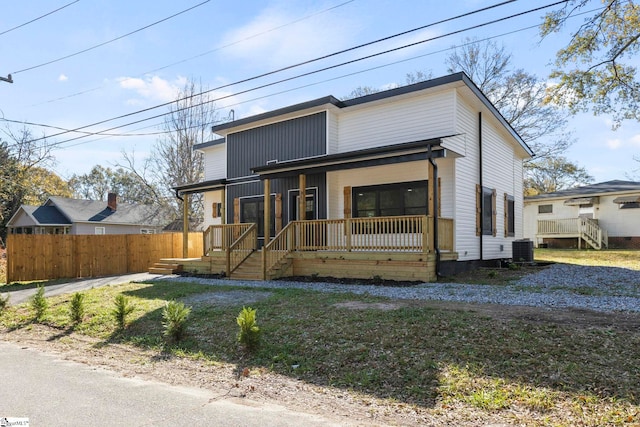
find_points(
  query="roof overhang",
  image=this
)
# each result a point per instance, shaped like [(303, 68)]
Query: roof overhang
[(576, 201), (627, 199), (398, 153), (200, 187)]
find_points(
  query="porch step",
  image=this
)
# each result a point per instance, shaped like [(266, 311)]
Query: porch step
[(250, 269), (165, 268)]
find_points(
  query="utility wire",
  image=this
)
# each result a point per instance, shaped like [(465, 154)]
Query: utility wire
[(112, 40), (315, 71), (207, 52), (39, 17), (270, 95), (303, 63)]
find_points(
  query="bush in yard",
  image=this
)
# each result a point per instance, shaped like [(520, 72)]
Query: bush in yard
[(39, 303), (249, 334), (174, 317), (122, 309), (4, 303), (76, 307)]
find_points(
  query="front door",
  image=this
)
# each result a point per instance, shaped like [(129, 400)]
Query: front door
[(311, 211), (252, 211)]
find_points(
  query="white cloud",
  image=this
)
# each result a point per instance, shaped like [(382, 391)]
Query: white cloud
[(614, 144), (62, 78), (263, 41), (152, 88), (635, 140)]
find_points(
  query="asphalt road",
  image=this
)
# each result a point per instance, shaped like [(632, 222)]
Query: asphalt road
[(50, 391)]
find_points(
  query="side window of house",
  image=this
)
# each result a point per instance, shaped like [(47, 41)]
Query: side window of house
[(630, 205), (100, 230), (405, 198), (542, 209), (510, 216), (488, 211)]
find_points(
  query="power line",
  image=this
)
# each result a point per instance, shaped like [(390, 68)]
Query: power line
[(311, 72), (39, 17), (112, 40), (475, 41), (209, 51), (304, 63)]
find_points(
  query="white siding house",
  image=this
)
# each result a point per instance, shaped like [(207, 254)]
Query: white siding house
[(609, 209), (441, 138)]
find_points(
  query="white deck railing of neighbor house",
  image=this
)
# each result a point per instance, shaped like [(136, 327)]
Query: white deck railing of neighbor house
[(584, 228)]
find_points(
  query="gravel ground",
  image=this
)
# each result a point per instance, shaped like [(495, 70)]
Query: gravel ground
[(603, 289)]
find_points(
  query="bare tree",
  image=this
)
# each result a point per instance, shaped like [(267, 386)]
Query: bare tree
[(20, 158), (173, 160)]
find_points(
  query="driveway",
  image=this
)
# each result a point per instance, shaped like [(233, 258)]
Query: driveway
[(18, 297)]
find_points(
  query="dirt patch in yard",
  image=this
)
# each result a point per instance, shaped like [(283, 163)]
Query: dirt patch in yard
[(227, 298)]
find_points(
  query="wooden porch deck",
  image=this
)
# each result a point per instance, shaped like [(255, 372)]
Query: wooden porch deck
[(582, 229), (392, 248)]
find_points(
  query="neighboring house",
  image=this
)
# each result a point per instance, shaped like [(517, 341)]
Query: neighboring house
[(61, 215), (436, 154), (600, 215)]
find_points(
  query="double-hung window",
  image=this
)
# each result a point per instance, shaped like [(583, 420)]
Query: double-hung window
[(399, 199)]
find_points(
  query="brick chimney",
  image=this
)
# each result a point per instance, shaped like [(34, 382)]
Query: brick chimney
[(112, 201)]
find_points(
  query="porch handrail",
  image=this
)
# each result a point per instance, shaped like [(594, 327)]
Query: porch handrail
[(277, 249), (409, 233), (240, 250), (219, 237), (585, 228)]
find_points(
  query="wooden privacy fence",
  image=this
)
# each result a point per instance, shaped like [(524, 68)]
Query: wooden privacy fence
[(55, 256)]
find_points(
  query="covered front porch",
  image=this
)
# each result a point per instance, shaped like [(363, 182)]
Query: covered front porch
[(390, 248), (361, 224)]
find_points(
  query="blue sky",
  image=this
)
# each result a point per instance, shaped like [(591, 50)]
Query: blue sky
[(219, 43)]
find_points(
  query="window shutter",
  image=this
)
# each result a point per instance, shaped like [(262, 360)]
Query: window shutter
[(347, 202), (236, 210), (478, 210), (278, 209), (214, 210), (439, 197), (506, 216), (494, 212)]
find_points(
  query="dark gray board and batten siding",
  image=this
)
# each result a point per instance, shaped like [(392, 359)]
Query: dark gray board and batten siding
[(293, 139)]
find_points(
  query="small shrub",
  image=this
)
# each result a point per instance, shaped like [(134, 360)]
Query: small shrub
[(492, 274), (175, 316), (4, 303), (249, 334), (122, 309), (514, 266), (39, 303), (76, 307)]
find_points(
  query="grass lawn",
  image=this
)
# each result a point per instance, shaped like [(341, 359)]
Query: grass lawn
[(441, 358)]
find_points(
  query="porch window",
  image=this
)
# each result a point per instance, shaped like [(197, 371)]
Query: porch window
[(404, 198)]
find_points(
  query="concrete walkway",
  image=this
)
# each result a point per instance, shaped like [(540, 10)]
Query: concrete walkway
[(20, 296)]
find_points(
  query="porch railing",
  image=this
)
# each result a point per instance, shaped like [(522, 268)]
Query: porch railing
[(240, 250), (402, 233), (220, 237), (585, 228)]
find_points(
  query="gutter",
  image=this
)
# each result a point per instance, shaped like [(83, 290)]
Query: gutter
[(436, 247), (481, 183)]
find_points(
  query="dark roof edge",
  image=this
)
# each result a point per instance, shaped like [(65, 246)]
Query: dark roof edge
[(279, 112), (351, 154), (207, 144), (196, 187)]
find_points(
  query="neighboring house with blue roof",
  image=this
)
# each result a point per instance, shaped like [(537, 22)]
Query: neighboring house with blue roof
[(61, 215), (602, 215)]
